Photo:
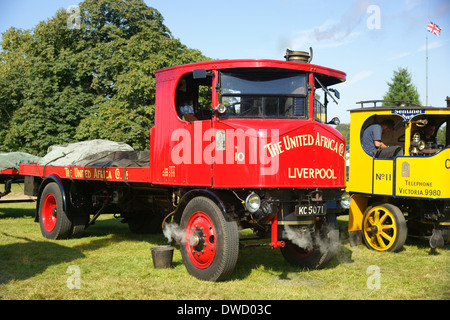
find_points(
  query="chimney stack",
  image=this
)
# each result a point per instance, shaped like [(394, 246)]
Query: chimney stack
[(299, 56)]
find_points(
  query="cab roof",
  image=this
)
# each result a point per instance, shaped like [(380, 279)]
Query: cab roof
[(326, 76), (406, 105)]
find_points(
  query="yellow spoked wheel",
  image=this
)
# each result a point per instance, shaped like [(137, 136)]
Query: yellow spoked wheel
[(384, 227)]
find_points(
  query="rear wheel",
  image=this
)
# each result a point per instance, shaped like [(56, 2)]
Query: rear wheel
[(211, 244), (384, 227), (54, 222), (317, 248)]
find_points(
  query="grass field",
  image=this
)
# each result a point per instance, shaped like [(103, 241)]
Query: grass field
[(112, 263)]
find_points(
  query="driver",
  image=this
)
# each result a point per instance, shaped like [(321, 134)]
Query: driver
[(428, 134), (372, 144)]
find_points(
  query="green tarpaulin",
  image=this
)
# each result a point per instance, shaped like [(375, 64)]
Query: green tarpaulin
[(12, 160)]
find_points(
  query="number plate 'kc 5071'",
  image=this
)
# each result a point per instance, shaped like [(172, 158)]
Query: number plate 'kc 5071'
[(307, 210)]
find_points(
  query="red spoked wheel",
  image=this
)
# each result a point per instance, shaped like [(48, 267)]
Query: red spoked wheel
[(200, 240), (211, 244), (54, 222)]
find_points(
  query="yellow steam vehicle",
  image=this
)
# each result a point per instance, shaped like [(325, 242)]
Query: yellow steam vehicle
[(399, 184)]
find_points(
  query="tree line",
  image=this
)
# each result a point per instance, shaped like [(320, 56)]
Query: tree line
[(86, 76), (89, 74)]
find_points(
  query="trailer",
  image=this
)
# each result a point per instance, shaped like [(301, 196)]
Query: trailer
[(235, 144), (9, 174), (7, 177)]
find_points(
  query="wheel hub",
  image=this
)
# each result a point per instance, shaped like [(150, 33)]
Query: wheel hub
[(197, 239), (200, 240), (49, 212)]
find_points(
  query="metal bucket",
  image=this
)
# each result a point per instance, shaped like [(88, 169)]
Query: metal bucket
[(162, 256)]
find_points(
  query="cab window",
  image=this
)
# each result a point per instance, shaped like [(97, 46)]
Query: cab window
[(193, 98), (394, 137), (429, 134), (320, 112)]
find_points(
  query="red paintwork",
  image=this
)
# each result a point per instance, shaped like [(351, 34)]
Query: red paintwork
[(297, 149), (9, 171), (274, 234), (316, 163)]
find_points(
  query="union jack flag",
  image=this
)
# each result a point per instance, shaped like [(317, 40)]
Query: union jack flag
[(434, 28)]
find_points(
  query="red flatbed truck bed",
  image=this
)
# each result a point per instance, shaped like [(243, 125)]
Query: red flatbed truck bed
[(105, 174)]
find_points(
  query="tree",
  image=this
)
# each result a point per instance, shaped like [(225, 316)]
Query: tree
[(61, 84), (344, 129), (401, 87), (13, 68), (441, 135)]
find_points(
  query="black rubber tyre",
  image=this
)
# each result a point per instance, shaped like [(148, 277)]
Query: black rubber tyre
[(324, 246), (211, 245), (54, 221)]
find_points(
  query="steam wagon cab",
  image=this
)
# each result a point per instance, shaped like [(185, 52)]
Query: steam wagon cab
[(405, 191)]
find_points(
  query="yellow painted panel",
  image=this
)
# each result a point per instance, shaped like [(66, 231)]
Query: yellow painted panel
[(424, 177), (357, 207), (360, 173), (383, 177)]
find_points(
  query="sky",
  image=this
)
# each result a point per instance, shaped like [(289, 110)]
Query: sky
[(366, 39)]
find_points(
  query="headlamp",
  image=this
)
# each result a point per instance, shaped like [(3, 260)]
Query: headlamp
[(253, 202), (345, 200)]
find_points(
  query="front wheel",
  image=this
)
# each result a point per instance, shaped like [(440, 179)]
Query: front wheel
[(384, 227), (312, 249), (211, 244)]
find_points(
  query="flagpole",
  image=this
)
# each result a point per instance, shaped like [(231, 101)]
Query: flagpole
[(427, 71), (434, 29)]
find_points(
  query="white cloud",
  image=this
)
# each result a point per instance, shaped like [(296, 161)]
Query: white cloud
[(357, 78), (398, 56), (320, 38), (411, 4), (432, 45), (334, 32)]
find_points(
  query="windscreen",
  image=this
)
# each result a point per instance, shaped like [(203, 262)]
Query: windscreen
[(264, 93)]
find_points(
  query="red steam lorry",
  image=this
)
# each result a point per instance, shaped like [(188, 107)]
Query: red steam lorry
[(236, 144)]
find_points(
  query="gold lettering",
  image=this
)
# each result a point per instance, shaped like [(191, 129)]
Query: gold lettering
[(311, 173)]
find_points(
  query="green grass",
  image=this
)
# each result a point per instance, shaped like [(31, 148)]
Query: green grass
[(116, 264)]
